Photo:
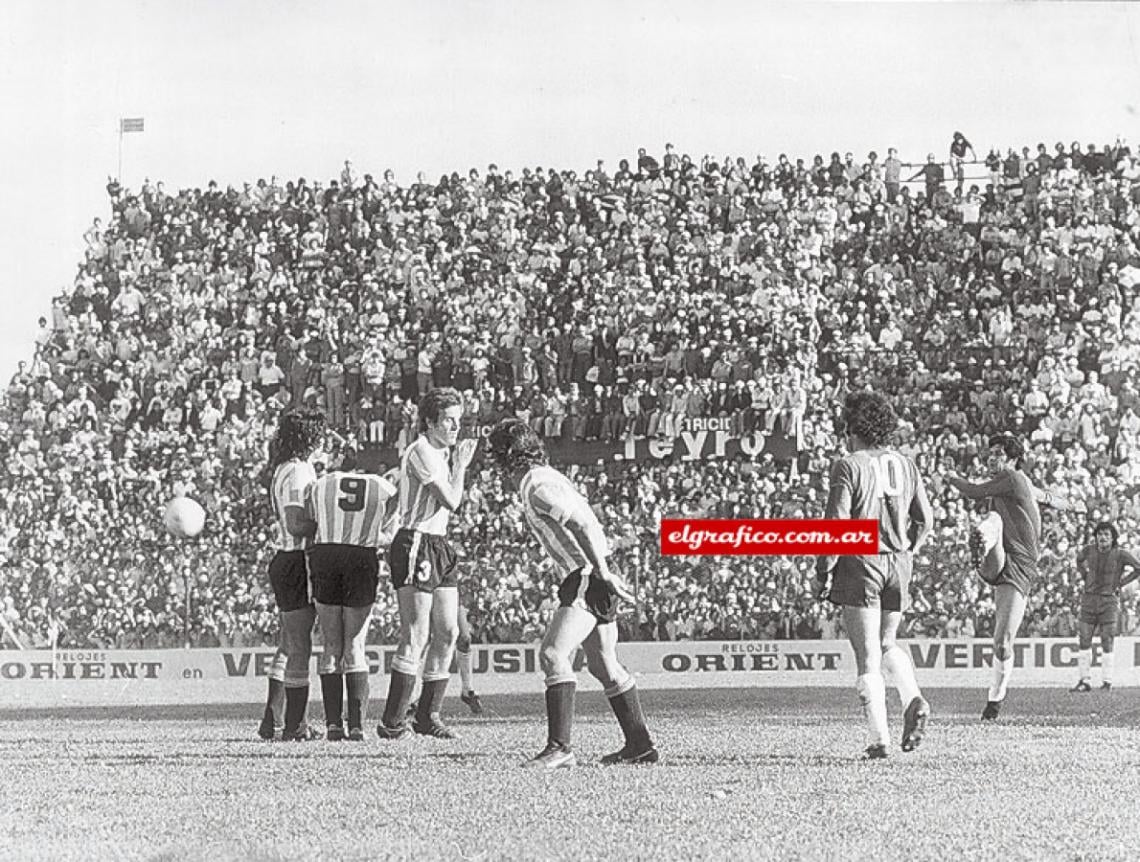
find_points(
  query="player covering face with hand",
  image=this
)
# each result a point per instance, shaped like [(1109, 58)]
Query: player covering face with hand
[(877, 483), (566, 527)]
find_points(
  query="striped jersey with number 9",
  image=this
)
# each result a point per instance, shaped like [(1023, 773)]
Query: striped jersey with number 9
[(349, 508)]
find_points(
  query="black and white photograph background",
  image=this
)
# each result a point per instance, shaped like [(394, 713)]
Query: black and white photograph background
[(425, 428)]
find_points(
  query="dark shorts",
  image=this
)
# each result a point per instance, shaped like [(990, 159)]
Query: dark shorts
[(596, 596), (1018, 572), (422, 560), (344, 575), (1102, 611), (881, 581), (289, 578)]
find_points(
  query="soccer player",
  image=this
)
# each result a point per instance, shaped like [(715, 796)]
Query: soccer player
[(1102, 565), (298, 435), (1005, 547), (569, 531), (424, 566), (877, 483), (349, 509)]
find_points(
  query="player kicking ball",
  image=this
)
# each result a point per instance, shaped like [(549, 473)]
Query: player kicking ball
[(1102, 565), (1005, 547), (876, 483), (562, 521)]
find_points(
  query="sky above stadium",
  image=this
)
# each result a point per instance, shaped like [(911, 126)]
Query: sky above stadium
[(234, 91)]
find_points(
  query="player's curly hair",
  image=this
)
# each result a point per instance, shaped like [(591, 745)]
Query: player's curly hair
[(1107, 527), (1009, 444), (515, 446), (870, 417), (299, 432), (435, 402)]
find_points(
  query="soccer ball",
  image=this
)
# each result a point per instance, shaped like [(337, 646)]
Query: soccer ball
[(184, 518)]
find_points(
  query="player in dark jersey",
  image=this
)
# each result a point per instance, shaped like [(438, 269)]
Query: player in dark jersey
[(570, 533), (1102, 565), (879, 484), (1005, 546), (290, 476)]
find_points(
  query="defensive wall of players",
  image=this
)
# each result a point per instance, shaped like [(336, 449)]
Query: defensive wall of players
[(41, 678)]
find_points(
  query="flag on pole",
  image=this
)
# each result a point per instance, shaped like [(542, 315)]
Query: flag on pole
[(131, 124)]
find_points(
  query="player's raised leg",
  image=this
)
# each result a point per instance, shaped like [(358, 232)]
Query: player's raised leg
[(297, 638), (415, 620), (899, 669), (986, 547), (1010, 611), (1085, 632), (863, 626), (569, 627), (355, 663), (330, 668), (444, 629), (620, 689)]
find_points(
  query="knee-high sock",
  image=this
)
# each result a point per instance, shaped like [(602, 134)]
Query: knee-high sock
[(463, 659), (872, 690), (560, 712), (431, 700), (627, 707), (275, 698), (900, 669), (1084, 662), (400, 685), (1107, 664), (296, 703), (357, 685), (1003, 670), (332, 690)]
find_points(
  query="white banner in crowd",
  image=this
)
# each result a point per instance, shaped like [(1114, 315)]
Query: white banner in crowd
[(39, 678)]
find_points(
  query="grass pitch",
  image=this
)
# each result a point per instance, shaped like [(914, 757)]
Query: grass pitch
[(745, 774)]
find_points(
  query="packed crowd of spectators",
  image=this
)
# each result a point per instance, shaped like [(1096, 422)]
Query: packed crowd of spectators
[(598, 306)]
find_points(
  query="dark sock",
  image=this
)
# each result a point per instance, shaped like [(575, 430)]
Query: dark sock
[(431, 701), (275, 702), (296, 703), (357, 685), (400, 687), (560, 713), (332, 690), (627, 708)]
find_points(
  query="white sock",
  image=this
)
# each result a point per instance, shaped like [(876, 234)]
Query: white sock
[(872, 692), (1107, 662), (900, 670), (1003, 669), (1084, 662), (463, 659)]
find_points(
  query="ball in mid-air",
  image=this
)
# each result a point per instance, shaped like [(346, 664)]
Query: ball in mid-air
[(184, 518)]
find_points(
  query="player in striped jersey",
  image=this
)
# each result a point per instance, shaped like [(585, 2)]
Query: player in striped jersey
[(877, 483), (569, 531), (424, 566), (298, 435), (350, 510)]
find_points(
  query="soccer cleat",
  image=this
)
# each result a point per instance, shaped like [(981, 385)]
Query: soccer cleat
[(304, 733), (411, 710), (914, 723), (1082, 686), (472, 700), (993, 708), (436, 729), (878, 751), (355, 734), (398, 732), (334, 733), (554, 756), (632, 756), (1106, 686), (268, 730)]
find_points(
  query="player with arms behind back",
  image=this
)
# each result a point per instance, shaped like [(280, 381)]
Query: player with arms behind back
[(424, 566), (350, 510), (298, 435), (876, 483), (1102, 565), (1005, 546), (569, 531)]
